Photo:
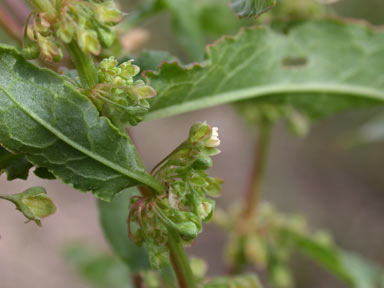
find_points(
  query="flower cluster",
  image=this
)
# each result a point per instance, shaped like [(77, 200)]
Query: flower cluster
[(184, 205), (267, 240), (86, 22), (117, 95)]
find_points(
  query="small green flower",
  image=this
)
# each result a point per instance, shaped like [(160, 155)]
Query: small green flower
[(33, 203), (117, 95)]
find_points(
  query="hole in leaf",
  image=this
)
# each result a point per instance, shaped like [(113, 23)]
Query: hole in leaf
[(294, 62)]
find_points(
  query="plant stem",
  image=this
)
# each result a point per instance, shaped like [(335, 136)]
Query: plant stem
[(260, 162), (179, 260), (84, 65)]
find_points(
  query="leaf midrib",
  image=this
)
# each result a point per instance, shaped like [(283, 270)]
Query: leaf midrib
[(141, 178), (260, 91)]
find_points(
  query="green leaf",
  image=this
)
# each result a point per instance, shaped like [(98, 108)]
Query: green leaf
[(57, 128), (252, 8), (318, 68), (99, 269), (355, 271), (150, 60), (113, 218), (15, 165)]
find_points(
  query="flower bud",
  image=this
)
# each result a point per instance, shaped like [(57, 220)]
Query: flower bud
[(142, 91), (203, 163), (66, 29), (31, 48), (106, 35), (205, 209), (107, 12), (49, 49), (89, 42), (188, 230), (199, 132), (33, 203), (128, 70)]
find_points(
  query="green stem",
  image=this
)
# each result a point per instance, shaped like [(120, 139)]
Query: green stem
[(259, 167), (84, 65), (179, 260)]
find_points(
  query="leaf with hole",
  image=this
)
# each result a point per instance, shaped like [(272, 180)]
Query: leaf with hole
[(319, 67)]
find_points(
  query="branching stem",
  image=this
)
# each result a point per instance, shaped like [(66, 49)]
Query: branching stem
[(179, 260)]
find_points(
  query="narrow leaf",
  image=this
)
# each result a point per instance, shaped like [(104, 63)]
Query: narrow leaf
[(252, 8), (57, 128), (317, 68)]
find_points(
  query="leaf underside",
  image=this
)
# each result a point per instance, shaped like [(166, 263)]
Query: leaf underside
[(319, 67), (251, 8), (59, 129), (14, 165)]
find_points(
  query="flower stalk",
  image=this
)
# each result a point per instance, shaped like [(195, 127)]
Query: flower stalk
[(179, 260), (260, 163)]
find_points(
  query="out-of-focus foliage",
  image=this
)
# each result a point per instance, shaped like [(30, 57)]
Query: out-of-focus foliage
[(98, 268), (268, 239)]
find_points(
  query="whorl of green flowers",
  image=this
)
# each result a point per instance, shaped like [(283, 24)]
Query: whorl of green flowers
[(89, 23), (117, 95), (185, 204)]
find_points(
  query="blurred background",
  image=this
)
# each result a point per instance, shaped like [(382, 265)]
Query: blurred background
[(338, 189)]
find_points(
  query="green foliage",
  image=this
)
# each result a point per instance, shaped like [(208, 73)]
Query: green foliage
[(269, 238), (311, 69), (98, 268), (57, 128), (192, 21), (354, 270), (252, 8), (33, 203)]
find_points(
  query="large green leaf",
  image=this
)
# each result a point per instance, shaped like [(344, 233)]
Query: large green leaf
[(319, 67), (249, 8), (355, 271), (113, 218), (57, 128)]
